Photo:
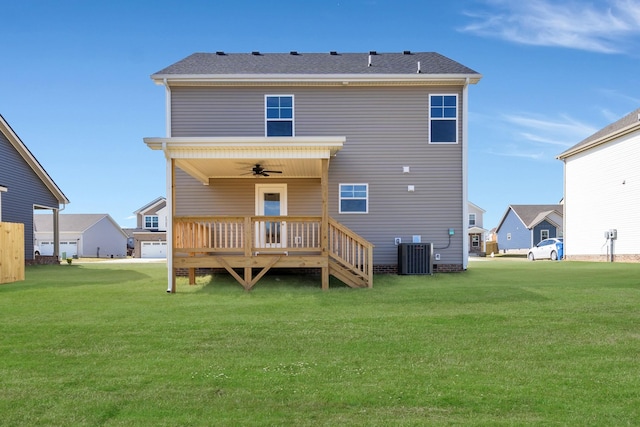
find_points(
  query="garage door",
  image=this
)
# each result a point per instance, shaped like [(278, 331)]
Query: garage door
[(68, 249), (153, 250)]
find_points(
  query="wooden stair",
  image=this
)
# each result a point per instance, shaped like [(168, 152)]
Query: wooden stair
[(350, 256)]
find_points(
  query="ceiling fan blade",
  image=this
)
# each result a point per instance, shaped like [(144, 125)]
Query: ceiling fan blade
[(273, 171)]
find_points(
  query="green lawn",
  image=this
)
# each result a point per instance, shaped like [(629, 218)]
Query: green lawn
[(504, 343)]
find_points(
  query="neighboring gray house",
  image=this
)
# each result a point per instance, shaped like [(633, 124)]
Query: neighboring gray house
[(602, 194), (149, 238), (320, 160), (476, 229), (82, 235), (524, 226), (25, 187)]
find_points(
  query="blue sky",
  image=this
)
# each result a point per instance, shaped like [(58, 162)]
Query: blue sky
[(75, 86)]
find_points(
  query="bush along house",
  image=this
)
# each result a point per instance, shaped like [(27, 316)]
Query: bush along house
[(324, 161)]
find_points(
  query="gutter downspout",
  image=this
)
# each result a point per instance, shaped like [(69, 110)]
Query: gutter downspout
[(56, 231), (465, 176), (171, 285)]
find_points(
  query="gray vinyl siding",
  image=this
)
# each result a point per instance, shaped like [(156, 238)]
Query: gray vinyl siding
[(25, 189), (386, 128), (106, 236)]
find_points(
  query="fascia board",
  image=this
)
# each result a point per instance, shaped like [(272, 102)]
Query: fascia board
[(162, 79), (31, 161), (603, 140), (203, 143), (150, 205)]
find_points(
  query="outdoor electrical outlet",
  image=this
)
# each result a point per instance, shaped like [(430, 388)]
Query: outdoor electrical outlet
[(437, 257), (398, 240), (298, 240)]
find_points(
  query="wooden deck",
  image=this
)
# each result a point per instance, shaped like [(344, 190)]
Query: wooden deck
[(246, 243)]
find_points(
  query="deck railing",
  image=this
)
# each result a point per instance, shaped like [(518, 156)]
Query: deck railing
[(252, 235), (257, 233)]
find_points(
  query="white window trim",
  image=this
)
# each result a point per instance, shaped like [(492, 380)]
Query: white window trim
[(472, 215), (445, 118), (151, 216), (544, 238), (366, 200), (293, 113)]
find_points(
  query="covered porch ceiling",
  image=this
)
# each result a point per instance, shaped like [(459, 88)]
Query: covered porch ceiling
[(207, 158)]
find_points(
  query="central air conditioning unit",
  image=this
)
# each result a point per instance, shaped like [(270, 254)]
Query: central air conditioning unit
[(415, 258)]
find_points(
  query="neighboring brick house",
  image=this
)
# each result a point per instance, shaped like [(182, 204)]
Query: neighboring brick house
[(310, 160), (149, 238), (476, 230)]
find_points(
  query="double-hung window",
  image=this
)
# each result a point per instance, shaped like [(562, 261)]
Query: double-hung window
[(354, 198), (279, 115), (151, 221), (443, 119), (472, 220)]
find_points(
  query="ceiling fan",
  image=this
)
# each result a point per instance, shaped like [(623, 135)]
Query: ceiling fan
[(259, 170)]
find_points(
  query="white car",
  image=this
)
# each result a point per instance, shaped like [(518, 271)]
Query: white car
[(547, 248)]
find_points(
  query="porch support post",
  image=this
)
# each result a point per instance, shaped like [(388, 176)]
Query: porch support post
[(248, 244), (56, 234), (324, 226), (171, 273)]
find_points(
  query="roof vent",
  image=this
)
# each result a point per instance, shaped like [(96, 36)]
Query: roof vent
[(419, 69), (369, 64), (333, 53), (406, 52), (294, 53), (220, 53), (373, 52), (255, 53)]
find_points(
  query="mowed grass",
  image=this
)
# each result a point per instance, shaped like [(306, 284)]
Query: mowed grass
[(504, 343)]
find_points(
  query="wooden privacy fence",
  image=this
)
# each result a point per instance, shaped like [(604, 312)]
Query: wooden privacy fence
[(11, 252)]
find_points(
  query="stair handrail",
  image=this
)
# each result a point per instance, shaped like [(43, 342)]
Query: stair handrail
[(351, 250)]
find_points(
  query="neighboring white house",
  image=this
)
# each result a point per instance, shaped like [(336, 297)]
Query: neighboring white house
[(602, 194), (81, 235)]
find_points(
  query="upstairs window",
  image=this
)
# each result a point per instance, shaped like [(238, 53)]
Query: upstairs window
[(279, 115), (354, 198), (151, 221), (472, 220), (443, 119)]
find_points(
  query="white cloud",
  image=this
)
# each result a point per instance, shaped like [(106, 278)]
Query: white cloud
[(605, 27), (516, 152), (535, 137)]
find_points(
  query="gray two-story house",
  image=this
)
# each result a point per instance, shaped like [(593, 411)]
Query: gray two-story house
[(314, 160)]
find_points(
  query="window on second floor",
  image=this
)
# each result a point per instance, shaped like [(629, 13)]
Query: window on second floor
[(472, 220), (279, 115), (151, 221), (443, 119), (354, 198)]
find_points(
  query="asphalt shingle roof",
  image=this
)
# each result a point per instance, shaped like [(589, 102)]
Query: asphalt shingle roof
[(529, 214), (628, 120), (315, 64), (67, 222)]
